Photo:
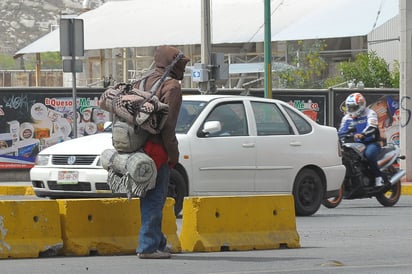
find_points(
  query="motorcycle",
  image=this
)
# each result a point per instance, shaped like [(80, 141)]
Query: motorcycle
[(359, 181)]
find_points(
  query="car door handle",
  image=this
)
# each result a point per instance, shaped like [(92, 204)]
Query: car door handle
[(295, 143), (247, 145)]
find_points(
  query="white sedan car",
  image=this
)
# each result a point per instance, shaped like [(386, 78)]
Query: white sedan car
[(229, 145)]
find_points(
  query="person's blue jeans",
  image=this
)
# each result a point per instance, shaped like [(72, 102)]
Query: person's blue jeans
[(151, 237), (371, 153)]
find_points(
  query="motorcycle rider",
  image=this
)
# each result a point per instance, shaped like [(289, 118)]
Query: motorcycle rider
[(364, 121)]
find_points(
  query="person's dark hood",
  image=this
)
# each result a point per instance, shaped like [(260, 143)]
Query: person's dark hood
[(165, 55)]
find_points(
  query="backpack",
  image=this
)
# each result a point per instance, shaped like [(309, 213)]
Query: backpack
[(136, 107), (127, 138), (135, 114)]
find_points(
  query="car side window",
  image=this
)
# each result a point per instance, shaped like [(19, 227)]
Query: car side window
[(270, 120), (301, 124), (232, 118)]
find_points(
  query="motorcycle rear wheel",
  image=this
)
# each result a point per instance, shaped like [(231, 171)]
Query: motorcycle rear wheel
[(333, 202), (390, 197)]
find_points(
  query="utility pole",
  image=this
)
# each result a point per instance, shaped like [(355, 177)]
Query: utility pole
[(268, 51), (212, 67), (405, 98), (206, 46)]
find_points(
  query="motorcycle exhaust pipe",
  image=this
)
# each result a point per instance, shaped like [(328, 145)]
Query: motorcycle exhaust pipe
[(395, 178)]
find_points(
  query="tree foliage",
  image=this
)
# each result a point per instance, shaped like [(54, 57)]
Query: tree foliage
[(369, 68), (49, 60), (7, 62), (395, 75), (309, 66)]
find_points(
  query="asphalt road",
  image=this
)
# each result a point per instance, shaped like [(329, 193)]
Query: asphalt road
[(359, 236)]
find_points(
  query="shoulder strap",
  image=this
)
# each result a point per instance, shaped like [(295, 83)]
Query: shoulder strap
[(142, 83)]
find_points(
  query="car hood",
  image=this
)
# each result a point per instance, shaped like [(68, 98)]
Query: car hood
[(90, 145)]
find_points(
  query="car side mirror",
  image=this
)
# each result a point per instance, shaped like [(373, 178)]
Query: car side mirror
[(211, 127)]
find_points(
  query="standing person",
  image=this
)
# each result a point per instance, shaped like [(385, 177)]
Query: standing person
[(365, 123), (163, 149)]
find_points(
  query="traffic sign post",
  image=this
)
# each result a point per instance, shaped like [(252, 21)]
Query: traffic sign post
[(71, 37), (72, 46)]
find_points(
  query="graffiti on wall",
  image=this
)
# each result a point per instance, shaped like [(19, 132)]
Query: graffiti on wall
[(407, 112), (314, 106), (32, 122)]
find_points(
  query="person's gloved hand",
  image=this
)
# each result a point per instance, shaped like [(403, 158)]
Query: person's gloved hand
[(359, 136)]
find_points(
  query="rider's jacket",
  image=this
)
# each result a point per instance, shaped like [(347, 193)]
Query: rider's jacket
[(366, 124)]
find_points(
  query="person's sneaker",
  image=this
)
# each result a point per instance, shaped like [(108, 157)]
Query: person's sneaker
[(168, 249), (155, 255), (378, 181)]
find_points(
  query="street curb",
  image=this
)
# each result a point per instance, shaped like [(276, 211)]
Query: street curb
[(28, 190)]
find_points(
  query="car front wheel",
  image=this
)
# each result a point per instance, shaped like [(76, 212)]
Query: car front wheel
[(307, 192)]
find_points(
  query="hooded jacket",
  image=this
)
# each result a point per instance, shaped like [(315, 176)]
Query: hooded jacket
[(169, 93)]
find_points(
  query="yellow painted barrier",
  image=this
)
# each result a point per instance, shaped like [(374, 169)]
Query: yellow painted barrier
[(169, 226), (406, 188), (16, 190), (238, 223), (107, 226), (29, 229)]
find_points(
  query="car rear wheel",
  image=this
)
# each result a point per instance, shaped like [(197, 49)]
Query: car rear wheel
[(308, 192)]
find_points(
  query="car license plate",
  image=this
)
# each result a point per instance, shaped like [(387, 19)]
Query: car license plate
[(68, 177)]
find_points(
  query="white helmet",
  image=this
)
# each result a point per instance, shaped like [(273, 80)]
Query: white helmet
[(355, 104)]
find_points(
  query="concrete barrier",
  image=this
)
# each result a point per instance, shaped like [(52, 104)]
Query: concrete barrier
[(406, 188), (238, 223), (16, 190), (29, 229), (107, 226), (169, 226)]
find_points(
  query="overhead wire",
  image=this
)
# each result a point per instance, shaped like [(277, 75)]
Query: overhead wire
[(263, 24)]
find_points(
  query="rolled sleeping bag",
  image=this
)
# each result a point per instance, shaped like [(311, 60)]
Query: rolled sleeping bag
[(138, 165)]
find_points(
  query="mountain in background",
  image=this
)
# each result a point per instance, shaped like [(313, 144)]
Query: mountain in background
[(24, 21)]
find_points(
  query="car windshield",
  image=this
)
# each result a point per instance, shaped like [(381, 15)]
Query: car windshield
[(188, 114)]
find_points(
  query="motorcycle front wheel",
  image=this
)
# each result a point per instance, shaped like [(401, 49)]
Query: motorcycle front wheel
[(390, 197), (333, 202)]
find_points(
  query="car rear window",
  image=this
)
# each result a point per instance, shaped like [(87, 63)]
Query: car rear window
[(301, 124)]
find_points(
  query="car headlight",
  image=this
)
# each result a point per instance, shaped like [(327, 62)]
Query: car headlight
[(42, 160), (99, 162)]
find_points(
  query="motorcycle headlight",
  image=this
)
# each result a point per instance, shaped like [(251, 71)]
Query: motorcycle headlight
[(42, 160)]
